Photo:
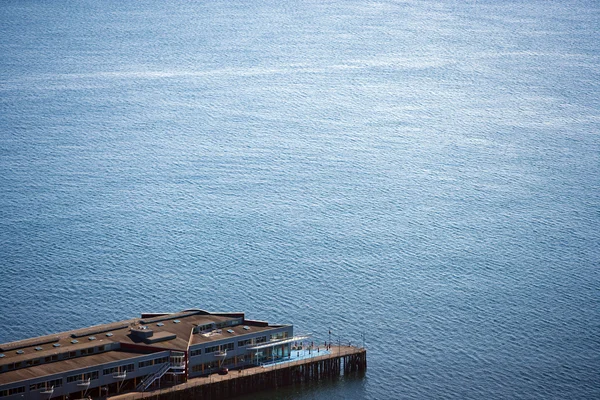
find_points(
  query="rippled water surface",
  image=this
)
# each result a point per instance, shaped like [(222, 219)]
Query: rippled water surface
[(423, 173)]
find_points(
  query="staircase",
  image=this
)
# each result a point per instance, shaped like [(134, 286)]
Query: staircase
[(145, 384)]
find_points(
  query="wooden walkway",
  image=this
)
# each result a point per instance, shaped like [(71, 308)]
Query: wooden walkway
[(341, 360)]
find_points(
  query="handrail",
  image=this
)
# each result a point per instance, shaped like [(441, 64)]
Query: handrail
[(151, 378)]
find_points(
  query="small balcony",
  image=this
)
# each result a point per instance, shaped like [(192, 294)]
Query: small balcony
[(48, 391), (119, 375), (221, 354), (84, 383)]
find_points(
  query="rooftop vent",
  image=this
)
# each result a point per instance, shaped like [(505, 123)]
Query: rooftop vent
[(246, 328), (229, 330), (56, 345), (109, 334), (21, 344), (20, 352), (92, 338), (74, 341), (2, 356), (99, 329), (38, 348), (176, 321), (160, 324)]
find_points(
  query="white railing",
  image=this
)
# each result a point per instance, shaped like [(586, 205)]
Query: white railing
[(84, 382), (120, 375), (48, 391)]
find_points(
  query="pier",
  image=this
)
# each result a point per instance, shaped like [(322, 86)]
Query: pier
[(341, 360)]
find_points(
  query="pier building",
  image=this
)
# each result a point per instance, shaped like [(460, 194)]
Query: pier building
[(140, 354)]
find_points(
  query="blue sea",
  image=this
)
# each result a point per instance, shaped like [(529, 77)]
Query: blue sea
[(420, 176)]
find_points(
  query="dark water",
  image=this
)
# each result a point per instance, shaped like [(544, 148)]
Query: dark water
[(425, 173)]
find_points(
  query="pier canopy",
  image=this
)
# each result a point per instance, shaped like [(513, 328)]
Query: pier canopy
[(274, 343)]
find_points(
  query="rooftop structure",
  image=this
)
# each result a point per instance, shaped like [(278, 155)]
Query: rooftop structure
[(136, 354)]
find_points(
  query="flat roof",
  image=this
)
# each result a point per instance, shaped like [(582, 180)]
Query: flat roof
[(58, 367)]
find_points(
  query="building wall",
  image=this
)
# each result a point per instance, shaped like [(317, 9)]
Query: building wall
[(237, 352)]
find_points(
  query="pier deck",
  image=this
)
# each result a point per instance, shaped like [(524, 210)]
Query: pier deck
[(340, 360)]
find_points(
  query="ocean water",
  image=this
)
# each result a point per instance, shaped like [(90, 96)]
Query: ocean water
[(420, 176)]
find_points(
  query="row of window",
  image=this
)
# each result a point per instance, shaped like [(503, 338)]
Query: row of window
[(229, 346), (83, 377), (123, 368), (213, 364), (55, 383), (279, 335), (155, 361), (10, 392), (211, 326)]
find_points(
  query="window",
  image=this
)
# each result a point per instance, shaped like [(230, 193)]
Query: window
[(261, 339), (144, 364), (55, 382), (91, 375), (161, 360), (205, 327), (246, 342), (100, 348), (211, 349), (279, 335), (197, 368), (20, 389), (228, 346), (194, 353)]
